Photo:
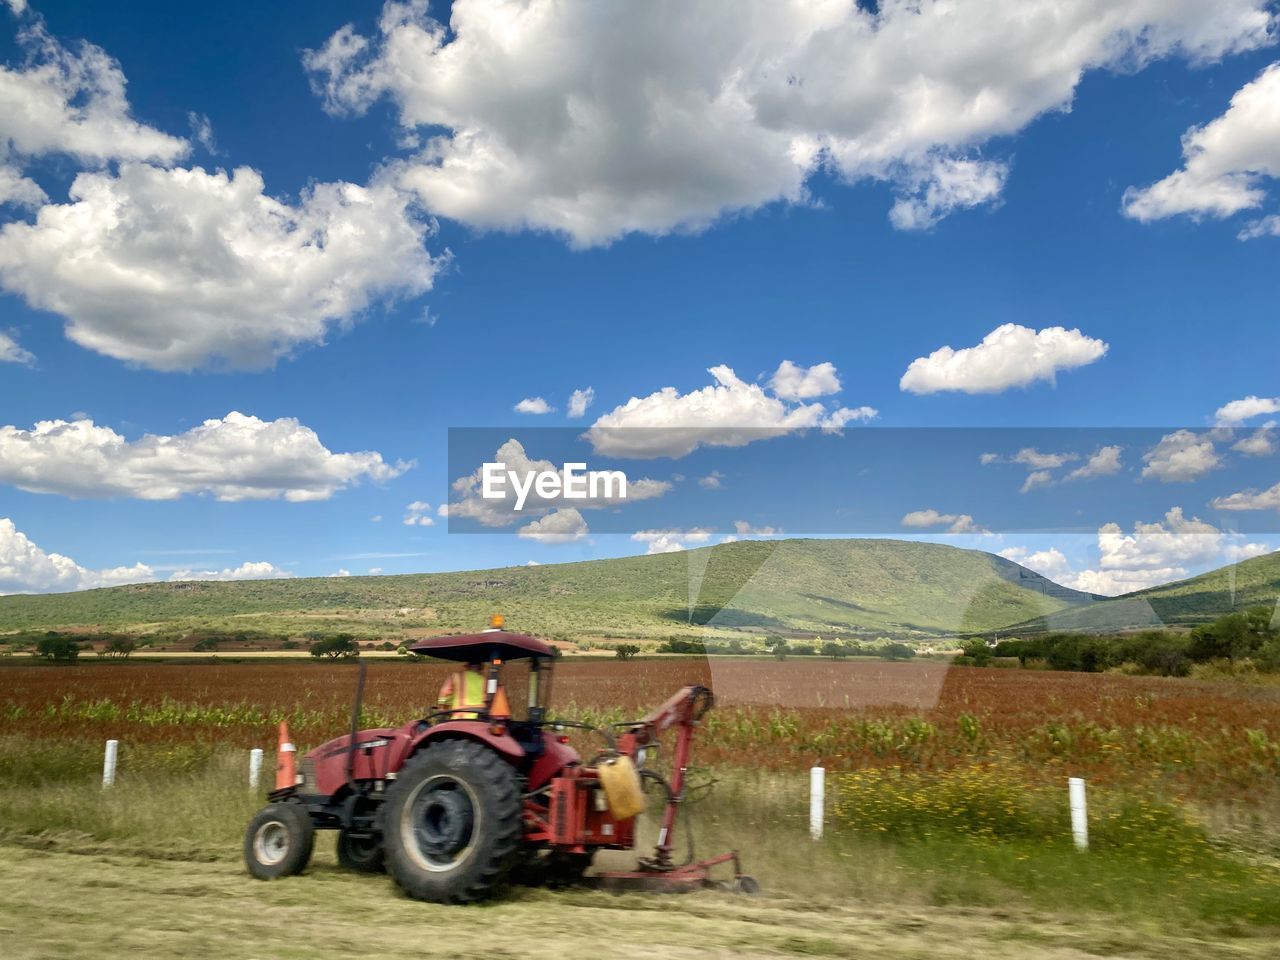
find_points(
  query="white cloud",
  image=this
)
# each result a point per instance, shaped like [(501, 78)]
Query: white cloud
[(236, 458), (1033, 458), (671, 541), (944, 185), (418, 514), (1180, 457), (341, 572), (1224, 161), (657, 116), (729, 413), (1240, 552), (19, 190), (954, 522), (1036, 478), (376, 518), (794, 382), (579, 400), (178, 269), (252, 570), (1260, 443), (1268, 226), (1173, 548), (74, 104), (1009, 356), (1249, 500), (17, 6), (502, 512), (564, 525), (1153, 554), (712, 481), (843, 416), (532, 563), (1103, 462), (1238, 411), (375, 571), (12, 352), (25, 568), (745, 529), (202, 130), (534, 405), (1051, 563)]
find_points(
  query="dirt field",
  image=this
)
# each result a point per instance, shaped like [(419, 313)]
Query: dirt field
[(69, 906)]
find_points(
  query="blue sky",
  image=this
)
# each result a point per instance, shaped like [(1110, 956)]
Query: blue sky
[(503, 287)]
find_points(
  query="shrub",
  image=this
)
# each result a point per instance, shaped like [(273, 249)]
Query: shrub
[(679, 645), (340, 646), (625, 651), (119, 647), (57, 647), (1235, 636)]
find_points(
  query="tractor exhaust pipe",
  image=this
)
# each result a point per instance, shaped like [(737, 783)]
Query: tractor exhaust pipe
[(355, 725)]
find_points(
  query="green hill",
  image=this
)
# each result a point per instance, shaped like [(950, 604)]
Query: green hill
[(844, 587), (1185, 603)]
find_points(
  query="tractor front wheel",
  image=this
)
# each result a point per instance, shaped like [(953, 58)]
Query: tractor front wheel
[(279, 841), (452, 823), (363, 853)]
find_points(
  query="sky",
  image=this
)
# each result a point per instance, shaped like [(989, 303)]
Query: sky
[(258, 261)]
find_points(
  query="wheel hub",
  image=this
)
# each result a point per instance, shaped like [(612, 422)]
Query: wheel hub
[(271, 842), (443, 821)]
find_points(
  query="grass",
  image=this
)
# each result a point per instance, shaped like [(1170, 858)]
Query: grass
[(115, 905), (849, 587), (893, 841)]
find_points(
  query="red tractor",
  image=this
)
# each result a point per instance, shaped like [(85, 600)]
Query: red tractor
[(459, 803)]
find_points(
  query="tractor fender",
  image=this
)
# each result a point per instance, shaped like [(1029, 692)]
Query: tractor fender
[(480, 732)]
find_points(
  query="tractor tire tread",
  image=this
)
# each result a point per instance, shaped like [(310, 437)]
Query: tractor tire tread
[(350, 857), (502, 786), (302, 840)]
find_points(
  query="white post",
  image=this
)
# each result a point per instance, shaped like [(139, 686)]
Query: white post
[(817, 801), (109, 763), (255, 767), (1079, 813)]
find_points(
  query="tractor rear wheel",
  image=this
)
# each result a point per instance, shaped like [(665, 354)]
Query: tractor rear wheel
[(279, 841), (452, 823), (362, 853)]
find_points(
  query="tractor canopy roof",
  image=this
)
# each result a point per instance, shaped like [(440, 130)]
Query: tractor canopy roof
[(478, 647)]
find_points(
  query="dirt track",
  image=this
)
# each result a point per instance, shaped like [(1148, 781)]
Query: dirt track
[(63, 905)]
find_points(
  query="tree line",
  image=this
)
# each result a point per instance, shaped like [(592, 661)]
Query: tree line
[(1251, 636)]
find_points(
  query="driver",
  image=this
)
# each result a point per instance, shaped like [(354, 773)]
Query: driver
[(463, 693)]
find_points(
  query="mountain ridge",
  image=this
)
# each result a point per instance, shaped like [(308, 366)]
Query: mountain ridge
[(836, 586)]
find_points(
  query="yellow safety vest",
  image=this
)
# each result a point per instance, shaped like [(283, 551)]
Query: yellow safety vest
[(462, 690)]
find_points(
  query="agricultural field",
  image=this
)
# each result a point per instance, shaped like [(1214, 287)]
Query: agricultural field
[(946, 808)]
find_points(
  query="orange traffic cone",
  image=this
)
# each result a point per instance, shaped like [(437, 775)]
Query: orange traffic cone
[(499, 707), (286, 762)]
